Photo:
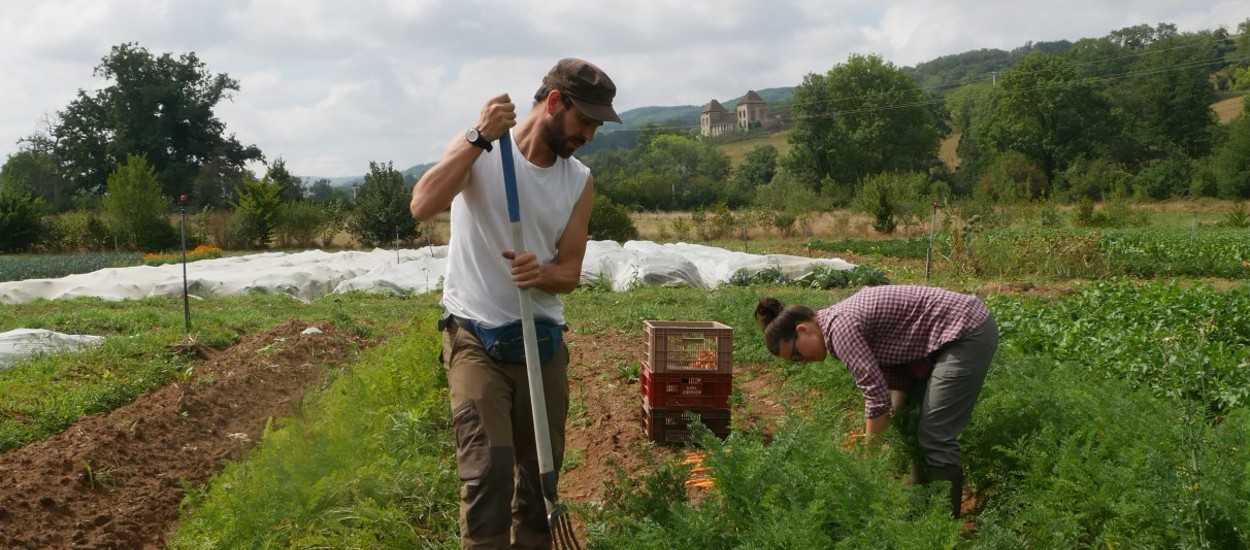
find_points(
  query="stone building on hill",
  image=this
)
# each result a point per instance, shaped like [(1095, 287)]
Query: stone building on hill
[(714, 120)]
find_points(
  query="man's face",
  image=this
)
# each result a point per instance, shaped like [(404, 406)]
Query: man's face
[(569, 129)]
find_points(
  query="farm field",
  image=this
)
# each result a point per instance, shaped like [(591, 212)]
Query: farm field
[(1115, 416)]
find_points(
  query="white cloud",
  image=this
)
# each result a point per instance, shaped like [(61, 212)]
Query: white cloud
[(330, 86)]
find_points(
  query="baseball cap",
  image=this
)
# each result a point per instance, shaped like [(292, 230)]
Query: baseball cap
[(586, 85)]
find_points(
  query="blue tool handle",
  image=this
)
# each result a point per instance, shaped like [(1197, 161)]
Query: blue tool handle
[(509, 178)]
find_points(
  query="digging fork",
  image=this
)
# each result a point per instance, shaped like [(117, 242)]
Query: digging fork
[(557, 520)]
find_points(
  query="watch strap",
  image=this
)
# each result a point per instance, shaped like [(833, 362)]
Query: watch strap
[(480, 141)]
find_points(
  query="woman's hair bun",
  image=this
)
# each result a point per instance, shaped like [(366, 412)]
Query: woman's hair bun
[(767, 310)]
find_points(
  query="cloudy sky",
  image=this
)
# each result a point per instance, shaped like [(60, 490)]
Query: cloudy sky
[(331, 85)]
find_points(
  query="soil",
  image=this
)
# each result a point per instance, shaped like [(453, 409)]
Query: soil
[(115, 480)]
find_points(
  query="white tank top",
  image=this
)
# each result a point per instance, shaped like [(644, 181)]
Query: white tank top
[(479, 284)]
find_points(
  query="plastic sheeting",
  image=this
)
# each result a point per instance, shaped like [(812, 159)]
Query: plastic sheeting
[(22, 343), (312, 274)]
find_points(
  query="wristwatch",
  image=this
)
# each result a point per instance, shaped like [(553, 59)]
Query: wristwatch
[(475, 137)]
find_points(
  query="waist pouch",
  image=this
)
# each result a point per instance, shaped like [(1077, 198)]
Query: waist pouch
[(506, 342)]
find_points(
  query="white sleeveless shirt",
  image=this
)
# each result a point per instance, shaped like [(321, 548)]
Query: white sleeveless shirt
[(479, 283)]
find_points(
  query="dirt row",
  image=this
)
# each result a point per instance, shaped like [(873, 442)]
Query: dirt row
[(115, 480)]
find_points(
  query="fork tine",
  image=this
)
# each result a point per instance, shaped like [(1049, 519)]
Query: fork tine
[(562, 534), (565, 527)]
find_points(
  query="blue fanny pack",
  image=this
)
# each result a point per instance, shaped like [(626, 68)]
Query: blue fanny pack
[(506, 342)]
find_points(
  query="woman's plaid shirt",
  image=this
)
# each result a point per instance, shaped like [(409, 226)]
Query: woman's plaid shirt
[(890, 325)]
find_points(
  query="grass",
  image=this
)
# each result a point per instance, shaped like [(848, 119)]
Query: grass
[(737, 150), (44, 395), (369, 465), (1229, 108)]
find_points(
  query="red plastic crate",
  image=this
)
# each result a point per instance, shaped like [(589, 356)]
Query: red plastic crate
[(671, 425), (688, 346), (685, 390)]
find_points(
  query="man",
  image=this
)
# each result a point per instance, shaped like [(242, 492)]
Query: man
[(490, 400)]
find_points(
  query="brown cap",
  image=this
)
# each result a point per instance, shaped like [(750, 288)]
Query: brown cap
[(588, 86)]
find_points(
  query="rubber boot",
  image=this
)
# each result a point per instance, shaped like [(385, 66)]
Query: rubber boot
[(954, 474)]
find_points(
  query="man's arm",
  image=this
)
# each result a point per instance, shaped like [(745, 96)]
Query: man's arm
[(435, 190), (563, 275)]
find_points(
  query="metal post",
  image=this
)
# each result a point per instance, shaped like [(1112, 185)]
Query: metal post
[(928, 256), (186, 302)]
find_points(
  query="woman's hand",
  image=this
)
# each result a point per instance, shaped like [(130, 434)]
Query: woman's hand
[(876, 425)]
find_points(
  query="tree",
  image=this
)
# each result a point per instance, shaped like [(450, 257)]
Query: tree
[(134, 207), (758, 168), (321, 191), (610, 221), (1012, 177), (861, 118), (158, 107), (1049, 113), (666, 171), (382, 214), (1170, 94), (1231, 163), (216, 183), (291, 188), (19, 218), (1138, 37), (972, 107), (256, 212), (36, 172)]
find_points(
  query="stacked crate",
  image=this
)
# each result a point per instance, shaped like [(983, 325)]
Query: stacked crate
[(687, 367)]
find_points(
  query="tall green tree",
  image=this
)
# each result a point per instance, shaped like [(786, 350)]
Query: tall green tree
[(160, 107), (382, 214), (1171, 94), (861, 118), (134, 207), (1048, 112)]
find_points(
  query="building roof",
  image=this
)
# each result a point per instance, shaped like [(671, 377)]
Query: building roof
[(752, 97), (713, 107)]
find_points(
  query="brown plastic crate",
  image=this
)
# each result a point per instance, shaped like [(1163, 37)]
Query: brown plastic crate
[(671, 425), (688, 346), (685, 390)]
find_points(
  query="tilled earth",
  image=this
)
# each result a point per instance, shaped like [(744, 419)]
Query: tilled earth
[(115, 480)]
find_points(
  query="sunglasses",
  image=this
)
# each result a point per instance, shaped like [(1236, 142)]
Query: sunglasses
[(794, 351)]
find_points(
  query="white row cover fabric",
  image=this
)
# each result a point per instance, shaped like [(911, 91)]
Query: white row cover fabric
[(312, 274), (22, 343)]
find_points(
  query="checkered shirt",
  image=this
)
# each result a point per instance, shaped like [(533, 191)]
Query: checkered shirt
[(892, 325)]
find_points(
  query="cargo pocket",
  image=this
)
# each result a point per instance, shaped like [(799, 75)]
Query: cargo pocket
[(472, 445)]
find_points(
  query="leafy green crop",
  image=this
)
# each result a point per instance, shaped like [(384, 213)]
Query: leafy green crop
[(51, 266), (1192, 342)]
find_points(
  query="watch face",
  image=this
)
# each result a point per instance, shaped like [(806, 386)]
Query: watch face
[(472, 134)]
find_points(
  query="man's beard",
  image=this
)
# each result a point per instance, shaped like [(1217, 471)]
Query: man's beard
[(559, 142)]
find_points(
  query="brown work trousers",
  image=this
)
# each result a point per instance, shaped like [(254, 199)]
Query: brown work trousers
[(501, 502)]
